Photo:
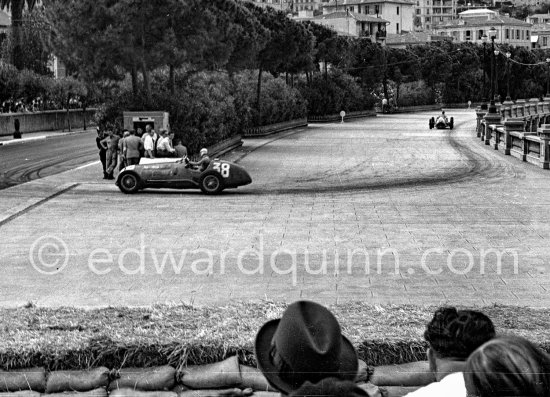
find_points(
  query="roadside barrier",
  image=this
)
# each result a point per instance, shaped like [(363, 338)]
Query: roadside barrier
[(49, 120), (163, 381), (520, 129), (336, 117), (274, 128)]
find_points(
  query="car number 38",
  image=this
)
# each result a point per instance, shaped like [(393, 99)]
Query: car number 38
[(222, 168)]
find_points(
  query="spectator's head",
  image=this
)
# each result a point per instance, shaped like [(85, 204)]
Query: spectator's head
[(140, 131), (126, 133), (203, 152), (306, 344), (508, 366), (171, 134), (148, 128), (132, 132), (177, 142), (454, 334)]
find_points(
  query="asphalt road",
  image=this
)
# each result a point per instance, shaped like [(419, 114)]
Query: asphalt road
[(35, 159)]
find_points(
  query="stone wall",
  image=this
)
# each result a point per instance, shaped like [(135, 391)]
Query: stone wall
[(50, 120)]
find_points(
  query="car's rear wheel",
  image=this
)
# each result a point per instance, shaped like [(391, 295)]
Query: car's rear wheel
[(452, 123), (211, 183), (432, 123), (129, 183)]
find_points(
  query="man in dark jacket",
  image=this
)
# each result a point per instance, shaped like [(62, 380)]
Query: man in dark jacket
[(102, 151)]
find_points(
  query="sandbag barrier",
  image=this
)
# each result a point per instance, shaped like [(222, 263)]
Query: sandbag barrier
[(227, 376)]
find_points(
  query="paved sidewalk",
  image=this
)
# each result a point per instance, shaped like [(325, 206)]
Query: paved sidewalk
[(380, 210)]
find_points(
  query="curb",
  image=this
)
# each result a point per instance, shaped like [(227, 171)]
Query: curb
[(41, 137)]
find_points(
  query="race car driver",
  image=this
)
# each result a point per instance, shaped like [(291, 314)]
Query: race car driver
[(204, 161)]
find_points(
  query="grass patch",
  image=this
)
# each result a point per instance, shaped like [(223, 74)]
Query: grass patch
[(69, 338)]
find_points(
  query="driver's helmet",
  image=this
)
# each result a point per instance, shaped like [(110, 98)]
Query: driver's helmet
[(203, 152)]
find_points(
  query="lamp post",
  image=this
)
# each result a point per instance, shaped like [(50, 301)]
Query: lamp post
[(497, 96), (548, 78), (492, 106), (484, 90), (508, 55)]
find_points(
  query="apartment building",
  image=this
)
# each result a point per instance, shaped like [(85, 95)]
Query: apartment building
[(428, 13), (538, 18), (472, 24), (348, 23), (397, 13), (540, 36)]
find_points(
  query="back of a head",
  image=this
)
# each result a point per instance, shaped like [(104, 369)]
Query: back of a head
[(456, 333), (508, 366)]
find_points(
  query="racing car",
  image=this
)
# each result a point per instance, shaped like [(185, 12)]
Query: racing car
[(441, 122), (177, 174)]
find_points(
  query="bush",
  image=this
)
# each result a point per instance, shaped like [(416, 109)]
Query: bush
[(339, 92), (415, 93), (209, 107)]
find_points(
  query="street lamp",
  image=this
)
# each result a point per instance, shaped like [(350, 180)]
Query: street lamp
[(497, 96), (508, 55), (484, 90), (492, 106), (548, 79)]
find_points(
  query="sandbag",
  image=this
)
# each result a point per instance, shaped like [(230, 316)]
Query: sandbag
[(125, 392), (25, 379), (234, 392), (266, 394), (224, 373), (60, 381), (100, 392), (253, 378), (23, 393), (145, 379)]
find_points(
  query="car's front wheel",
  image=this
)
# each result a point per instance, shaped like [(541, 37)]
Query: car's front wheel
[(129, 183), (211, 183)]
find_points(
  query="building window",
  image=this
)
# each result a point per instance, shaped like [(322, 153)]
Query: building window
[(517, 34), (507, 32), (544, 41), (527, 34), (479, 34), (397, 27), (376, 9), (417, 12), (367, 10), (397, 10), (468, 35)]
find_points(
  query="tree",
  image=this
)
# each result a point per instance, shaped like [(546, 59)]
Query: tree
[(16, 7), (34, 33)]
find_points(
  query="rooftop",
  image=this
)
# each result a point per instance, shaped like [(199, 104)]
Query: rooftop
[(358, 2), (413, 38), (482, 21), (349, 14)]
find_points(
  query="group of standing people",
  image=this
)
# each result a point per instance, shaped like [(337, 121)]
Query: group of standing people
[(119, 149)]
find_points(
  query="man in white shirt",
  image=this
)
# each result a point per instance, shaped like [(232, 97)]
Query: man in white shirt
[(164, 146), (453, 335), (149, 141)]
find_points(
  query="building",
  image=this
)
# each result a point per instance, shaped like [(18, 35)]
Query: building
[(428, 13), (538, 18), (412, 38), (347, 23), (472, 24), (5, 23), (280, 5), (540, 36), (308, 5), (397, 13)]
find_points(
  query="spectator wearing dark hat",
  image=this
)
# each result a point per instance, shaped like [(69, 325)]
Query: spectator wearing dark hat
[(453, 335), (508, 366), (307, 345)]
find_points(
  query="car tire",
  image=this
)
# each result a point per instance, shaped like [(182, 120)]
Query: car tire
[(432, 123), (211, 183), (452, 123), (129, 183)]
